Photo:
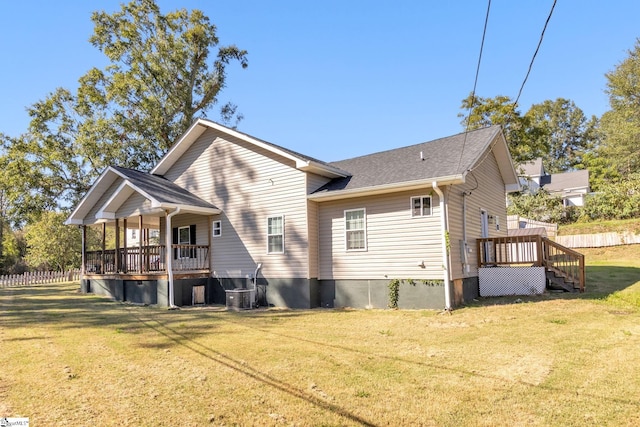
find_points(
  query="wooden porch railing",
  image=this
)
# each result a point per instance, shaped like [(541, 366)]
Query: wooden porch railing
[(534, 251), (148, 259)]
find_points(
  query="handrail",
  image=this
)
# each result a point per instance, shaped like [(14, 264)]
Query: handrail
[(564, 261), (152, 259), (533, 250)]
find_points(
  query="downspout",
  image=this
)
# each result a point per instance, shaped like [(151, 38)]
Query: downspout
[(168, 235), (445, 255), (465, 246)]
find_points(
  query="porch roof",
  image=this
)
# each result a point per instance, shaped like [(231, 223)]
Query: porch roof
[(161, 193)]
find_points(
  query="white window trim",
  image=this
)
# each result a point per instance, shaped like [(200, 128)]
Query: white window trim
[(421, 207), (346, 240), (216, 225), (269, 235)]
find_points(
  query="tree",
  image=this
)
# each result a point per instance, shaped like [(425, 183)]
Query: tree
[(53, 245), (525, 139), (160, 78), (621, 125), (540, 206), (619, 199), (567, 133)]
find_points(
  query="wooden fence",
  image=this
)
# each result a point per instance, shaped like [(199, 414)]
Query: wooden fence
[(39, 278), (598, 240)]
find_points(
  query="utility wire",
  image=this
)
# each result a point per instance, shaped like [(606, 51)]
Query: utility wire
[(515, 103), (475, 83)]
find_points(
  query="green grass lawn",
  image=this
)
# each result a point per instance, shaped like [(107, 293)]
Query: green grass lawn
[(556, 359), (622, 225)]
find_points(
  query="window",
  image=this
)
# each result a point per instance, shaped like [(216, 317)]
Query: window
[(217, 228), (497, 223), (355, 229), (421, 206), (133, 234), (275, 234), (184, 238)]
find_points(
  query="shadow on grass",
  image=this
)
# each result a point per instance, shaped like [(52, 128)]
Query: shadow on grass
[(603, 281), (179, 338)]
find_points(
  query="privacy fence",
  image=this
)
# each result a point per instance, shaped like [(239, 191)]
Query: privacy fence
[(598, 240), (39, 278)]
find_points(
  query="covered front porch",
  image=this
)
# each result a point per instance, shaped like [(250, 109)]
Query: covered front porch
[(137, 251), (145, 239)]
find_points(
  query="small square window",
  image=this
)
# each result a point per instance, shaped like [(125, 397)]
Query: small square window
[(421, 206), (216, 228)]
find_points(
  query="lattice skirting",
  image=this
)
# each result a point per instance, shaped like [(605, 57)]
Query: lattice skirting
[(500, 281)]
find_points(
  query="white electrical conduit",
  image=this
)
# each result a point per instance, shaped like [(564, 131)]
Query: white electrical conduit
[(445, 256)]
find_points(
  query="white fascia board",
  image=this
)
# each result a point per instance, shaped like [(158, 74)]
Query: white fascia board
[(180, 147), (187, 208), (89, 199), (109, 208), (388, 188), (320, 169)]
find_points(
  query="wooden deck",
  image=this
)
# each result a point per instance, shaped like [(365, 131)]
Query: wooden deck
[(565, 267)]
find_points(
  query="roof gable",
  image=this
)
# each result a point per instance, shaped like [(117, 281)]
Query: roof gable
[(302, 162), (162, 193)]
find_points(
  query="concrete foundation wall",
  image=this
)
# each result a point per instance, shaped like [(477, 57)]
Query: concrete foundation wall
[(375, 294)]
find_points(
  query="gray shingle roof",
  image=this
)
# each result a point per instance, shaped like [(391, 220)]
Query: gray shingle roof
[(530, 169), (565, 181), (442, 158), (161, 189)]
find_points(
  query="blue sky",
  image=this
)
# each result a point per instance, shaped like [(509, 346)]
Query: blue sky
[(337, 79)]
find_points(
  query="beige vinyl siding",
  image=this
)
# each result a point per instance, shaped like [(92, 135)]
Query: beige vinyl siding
[(313, 183), (397, 243), (488, 193), (136, 204), (90, 218), (248, 184)]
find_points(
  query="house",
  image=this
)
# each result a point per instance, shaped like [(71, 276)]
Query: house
[(571, 186), (234, 212)]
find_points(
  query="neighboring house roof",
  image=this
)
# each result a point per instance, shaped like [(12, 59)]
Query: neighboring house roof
[(566, 181), (304, 163), (162, 193), (445, 160), (531, 169)]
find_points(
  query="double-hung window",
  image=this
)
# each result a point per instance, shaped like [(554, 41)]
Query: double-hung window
[(216, 228), (421, 206), (355, 226), (275, 234)]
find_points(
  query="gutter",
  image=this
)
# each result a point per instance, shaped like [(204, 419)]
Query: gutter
[(169, 256), (445, 255)]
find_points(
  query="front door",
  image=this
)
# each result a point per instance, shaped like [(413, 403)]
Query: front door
[(484, 233)]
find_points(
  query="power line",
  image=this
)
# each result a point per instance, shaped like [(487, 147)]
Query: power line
[(475, 83), (535, 53)]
